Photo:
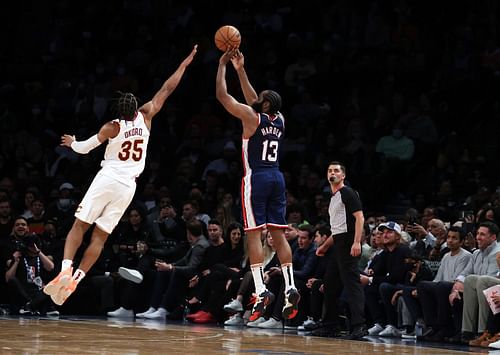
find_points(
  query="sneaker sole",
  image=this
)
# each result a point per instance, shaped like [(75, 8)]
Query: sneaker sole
[(63, 293), (53, 289), (128, 276), (233, 310), (292, 306)]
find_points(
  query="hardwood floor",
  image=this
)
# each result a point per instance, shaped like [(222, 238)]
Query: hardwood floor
[(76, 335)]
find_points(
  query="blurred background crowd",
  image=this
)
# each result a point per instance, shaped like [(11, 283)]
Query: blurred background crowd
[(404, 93)]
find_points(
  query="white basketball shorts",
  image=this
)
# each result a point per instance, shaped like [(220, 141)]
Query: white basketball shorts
[(105, 202)]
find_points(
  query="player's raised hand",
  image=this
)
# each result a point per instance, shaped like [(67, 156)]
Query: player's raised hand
[(66, 140), (227, 56), (238, 60), (190, 57)]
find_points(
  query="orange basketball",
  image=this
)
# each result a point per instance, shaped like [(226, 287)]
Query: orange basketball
[(227, 36)]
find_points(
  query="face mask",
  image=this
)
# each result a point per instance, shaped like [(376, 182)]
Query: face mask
[(64, 203), (372, 226)]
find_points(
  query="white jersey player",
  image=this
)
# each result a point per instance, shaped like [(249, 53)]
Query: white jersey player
[(114, 185)]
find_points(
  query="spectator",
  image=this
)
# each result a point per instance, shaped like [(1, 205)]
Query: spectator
[(28, 271), (477, 276), (171, 279), (379, 288), (433, 296)]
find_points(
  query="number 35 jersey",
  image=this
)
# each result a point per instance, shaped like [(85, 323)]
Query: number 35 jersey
[(125, 155), (261, 151)]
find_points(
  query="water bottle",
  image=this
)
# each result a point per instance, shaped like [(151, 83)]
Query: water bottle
[(185, 312)]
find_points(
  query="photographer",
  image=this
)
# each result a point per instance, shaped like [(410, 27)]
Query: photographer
[(27, 272)]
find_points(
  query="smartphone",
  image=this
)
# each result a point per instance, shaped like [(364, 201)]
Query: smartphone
[(466, 214)]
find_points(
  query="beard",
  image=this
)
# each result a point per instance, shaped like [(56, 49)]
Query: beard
[(257, 106)]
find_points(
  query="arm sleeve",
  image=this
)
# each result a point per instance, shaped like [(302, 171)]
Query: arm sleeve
[(83, 147)]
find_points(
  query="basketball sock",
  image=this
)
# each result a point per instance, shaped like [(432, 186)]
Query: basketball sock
[(66, 264), (79, 275), (287, 270), (258, 278)]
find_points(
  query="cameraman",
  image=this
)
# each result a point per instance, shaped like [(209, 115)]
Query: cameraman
[(27, 271)]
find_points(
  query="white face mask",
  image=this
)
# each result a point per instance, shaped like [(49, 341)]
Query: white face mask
[(64, 203)]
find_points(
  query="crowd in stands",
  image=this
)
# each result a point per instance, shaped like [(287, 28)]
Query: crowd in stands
[(403, 93)]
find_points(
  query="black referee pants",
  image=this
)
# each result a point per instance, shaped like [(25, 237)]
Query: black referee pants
[(343, 274)]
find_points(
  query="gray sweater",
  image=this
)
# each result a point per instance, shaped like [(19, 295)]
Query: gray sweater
[(452, 265)]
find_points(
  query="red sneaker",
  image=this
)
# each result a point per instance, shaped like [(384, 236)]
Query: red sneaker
[(205, 317)]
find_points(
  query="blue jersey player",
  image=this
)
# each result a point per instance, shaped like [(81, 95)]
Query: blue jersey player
[(263, 186)]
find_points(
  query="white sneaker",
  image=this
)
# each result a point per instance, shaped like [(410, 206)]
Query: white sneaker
[(235, 320), (494, 345), (390, 331), (121, 313), (160, 313), (234, 306), (271, 323), (52, 313), (143, 314), (375, 330), (256, 322), (309, 324), (130, 274)]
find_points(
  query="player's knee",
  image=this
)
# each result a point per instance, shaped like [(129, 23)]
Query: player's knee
[(80, 225)]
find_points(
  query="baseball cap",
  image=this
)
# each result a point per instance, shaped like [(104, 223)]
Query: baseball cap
[(66, 185), (393, 226)]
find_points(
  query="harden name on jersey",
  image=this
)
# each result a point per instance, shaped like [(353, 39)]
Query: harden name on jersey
[(274, 131)]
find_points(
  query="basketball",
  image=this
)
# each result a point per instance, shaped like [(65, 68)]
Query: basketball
[(227, 36)]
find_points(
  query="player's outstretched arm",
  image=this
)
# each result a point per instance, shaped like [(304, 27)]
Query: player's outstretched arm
[(151, 108), (108, 130), (244, 112), (238, 61)]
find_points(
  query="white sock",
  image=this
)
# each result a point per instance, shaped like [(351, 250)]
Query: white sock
[(66, 264), (79, 275), (287, 270), (258, 278)]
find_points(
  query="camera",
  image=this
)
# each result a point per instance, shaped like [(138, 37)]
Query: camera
[(412, 221), (28, 241)]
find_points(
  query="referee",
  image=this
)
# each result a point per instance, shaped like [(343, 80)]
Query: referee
[(346, 223)]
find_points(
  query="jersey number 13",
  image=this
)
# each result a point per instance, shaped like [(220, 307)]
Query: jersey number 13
[(270, 150)]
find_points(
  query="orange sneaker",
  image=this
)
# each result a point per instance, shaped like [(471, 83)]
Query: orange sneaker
[(68, 287), (58, 282)]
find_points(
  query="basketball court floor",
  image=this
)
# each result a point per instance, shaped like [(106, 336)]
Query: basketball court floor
[(78, 335)]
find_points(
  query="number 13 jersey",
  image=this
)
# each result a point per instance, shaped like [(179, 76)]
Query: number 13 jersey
[(261, 150), (125, 155)]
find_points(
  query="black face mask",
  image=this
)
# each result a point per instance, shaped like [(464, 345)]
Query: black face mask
[(257, 106)]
